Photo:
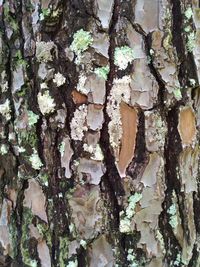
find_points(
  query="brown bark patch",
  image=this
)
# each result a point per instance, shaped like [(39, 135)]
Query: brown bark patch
[(129, 127), (78, 98), (187, 125)]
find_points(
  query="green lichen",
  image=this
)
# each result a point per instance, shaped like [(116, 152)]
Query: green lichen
[(35, 161), (189, 13), (63, 249), (28, 138), (72, 263), (44, 231), (13, 235), (177, 93), (191, 38), (81, 41), (173, 215), (44, 178), (131, 258), (123, 56), (32, 118), (126, 217), (45, 12), (25, 243), (18, 59), (4, 149), (102, 72), (62, 148)]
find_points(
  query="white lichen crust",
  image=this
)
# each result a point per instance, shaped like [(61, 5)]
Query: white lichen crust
[(59, 79), (119, 92), (5, 109), (78, 124), (123, 56), (46, 103), (35, 161), (43, 51)]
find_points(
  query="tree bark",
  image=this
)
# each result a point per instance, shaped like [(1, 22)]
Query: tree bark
[(99, 128)]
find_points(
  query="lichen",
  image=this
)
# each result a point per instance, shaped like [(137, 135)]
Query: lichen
[(26, 256), (96, 151), (189, 13), (35, 161), (78, 123), (123, 56), (173, 216), (119, 92), (43, 51), (59, 79), (83, 243), (62, 148), (32, 118), (5, 110), (63, 249), (81, 84), (46, 103), (126, 217), (72, 263), (3, 149), (191, 37), (177, 93), (131, 258), (102, 72), (81, 41), (192, 82)]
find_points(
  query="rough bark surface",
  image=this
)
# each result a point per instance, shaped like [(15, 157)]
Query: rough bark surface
[(99, 133)]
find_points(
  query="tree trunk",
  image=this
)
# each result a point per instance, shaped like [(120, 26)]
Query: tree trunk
[(99, 127)]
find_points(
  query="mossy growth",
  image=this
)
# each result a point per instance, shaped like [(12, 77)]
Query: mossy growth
[(63, 251), (45, 232), (25, 238), (28, 138), (13, 235), (18, 60)]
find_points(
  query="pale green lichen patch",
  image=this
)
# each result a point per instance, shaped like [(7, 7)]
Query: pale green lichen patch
[(192, 82), (131, 258), (83, 243), (123, 56), (35, 161), (43, 51), (125, 222), (3, 149), (72, 264), (62, 148), (172, 211), (102, 72), (32, 118), (5, 110), (46, 103), (81, 41), (191, 38), (78, 123), (189, 13), (177, 93), (63, 249)]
